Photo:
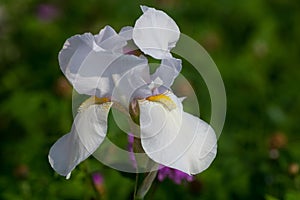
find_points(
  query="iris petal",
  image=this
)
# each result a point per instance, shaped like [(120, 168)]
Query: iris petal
[(155, 33), (91, 64), (87, 133), (108, 39), (79, 46), (166, 73), (126, 32), (177, 139)]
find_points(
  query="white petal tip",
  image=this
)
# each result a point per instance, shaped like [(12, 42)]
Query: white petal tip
[(144, 8), (68, 176), (182, 99)]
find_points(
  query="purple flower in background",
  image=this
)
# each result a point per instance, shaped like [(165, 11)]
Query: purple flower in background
[(47, 12), (97, 179), (130, 149), (175, 175)]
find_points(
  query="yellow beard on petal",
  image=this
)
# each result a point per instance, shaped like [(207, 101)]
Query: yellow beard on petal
[(164, 100), (93, 100)]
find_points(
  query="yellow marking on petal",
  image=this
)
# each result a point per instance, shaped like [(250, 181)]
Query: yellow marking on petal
[(118, 106), (93, 100), (164, 100), (106, 105)]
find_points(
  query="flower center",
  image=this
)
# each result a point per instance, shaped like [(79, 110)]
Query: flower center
[(164, 100)]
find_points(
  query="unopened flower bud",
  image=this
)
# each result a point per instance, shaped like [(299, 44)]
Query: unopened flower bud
[(63, 87), (293, 169), (278, 140), (21, 171), (98, 183)]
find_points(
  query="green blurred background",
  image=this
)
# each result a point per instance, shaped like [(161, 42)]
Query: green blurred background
[(256, 46)]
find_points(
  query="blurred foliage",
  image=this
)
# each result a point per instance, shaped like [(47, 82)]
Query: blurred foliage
[(256, 46)]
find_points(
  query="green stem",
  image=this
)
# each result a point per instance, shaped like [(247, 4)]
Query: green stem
[(136, 186), (146, 184)]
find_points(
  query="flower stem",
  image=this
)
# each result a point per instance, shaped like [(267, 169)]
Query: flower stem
[(146, 184), (136, 186)]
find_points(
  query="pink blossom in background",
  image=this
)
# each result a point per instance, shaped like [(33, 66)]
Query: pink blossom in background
[(130, 149), (97, 179), (47, 12), (98, 182), (175, 175)]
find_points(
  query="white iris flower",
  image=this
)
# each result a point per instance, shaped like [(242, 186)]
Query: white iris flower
[(97, 65)]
